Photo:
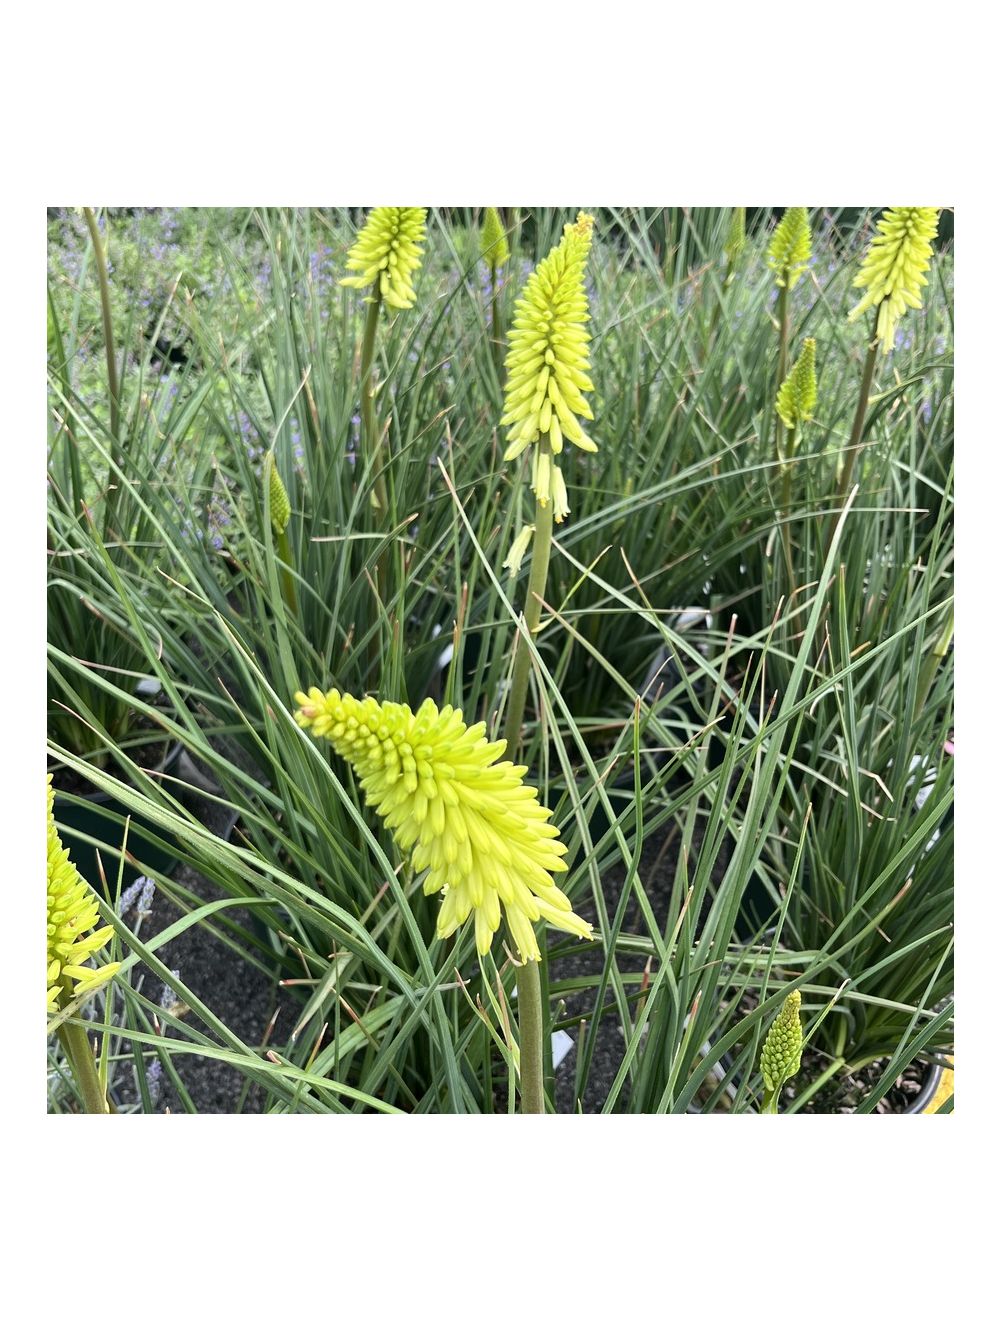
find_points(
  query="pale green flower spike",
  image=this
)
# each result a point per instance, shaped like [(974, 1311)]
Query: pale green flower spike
[(481, 834), (782, 1050), (736, 238), (791, 247), (893, 268), (281, 509), (388, 250), (71, 911), (797, 396), (548, 359), (519, 548), (496, 252)]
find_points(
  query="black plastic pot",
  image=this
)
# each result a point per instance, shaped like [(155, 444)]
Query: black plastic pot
[(928, 1101), (85, 815)]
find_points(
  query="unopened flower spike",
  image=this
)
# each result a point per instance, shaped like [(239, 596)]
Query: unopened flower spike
[(464, 815), (791, 247), (893, 268), (71, 912), (736, 238), (548, 358), (781, 1053), (387, 251), (797, 396), (281, 509), (495, 249)]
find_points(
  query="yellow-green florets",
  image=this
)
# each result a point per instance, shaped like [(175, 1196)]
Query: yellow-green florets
[(465, 816), (281, 509), (496, 252), (548, 359), (782, 1050), (791, 247), (388, 251), (797, 396), (893, 268), (736, 238), (71, 911)]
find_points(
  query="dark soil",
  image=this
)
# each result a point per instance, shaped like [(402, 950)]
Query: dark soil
[(150, 754), (844, 1095), (240, 996)]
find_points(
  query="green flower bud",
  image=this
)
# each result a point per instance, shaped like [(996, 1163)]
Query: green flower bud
[(281, 509), (496, 252), (782, 1050), (797, 396), (790, 247), (736, 238)]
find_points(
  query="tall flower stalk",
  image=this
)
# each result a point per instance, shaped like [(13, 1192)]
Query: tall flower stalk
[(547, 376), (795, 406), (114, 395), (280, 510), (892, 272), (788, 255), (384, 259), (71, 912), (496, 254)]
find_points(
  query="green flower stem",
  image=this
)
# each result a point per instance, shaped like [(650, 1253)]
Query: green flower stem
[(782, 343), (287, 578), (529, 989), (857, 430), (496, 329), (790, 438), (540, 551), (529, 1022), (77, 1047), (114, 398), (369, 421)]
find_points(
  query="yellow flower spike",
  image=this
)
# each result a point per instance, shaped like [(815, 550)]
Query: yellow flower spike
[(493, 240), (791, 247), (281, 509), (464, 816), (71, 911), (893, 268), (388, 251), (797, 396), (547, 358)]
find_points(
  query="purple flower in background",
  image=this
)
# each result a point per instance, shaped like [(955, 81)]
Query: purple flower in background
[(128, 896), (168, 999), (154, 1079)]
